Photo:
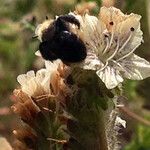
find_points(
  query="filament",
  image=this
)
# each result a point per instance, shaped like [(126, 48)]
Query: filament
[(107, 45), (57, 141), (116, 50), (104, 66), (117, 64), (126, 42), (41, 97), (111, 38), (128, 54)]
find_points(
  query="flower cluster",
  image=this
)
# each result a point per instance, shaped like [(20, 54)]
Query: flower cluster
[(111, 40), (39, 97), (48, 81)]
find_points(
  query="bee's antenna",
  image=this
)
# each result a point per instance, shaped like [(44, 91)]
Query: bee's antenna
[(46, 17)]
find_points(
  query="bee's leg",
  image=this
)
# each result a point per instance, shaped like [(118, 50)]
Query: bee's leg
[(70, 19), (61, 25)]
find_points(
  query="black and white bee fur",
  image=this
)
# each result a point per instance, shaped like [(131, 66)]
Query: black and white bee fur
[(58, 42)]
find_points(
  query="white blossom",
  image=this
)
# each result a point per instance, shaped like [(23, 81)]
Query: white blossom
[(119, 121), (111, 40), (38, 83)]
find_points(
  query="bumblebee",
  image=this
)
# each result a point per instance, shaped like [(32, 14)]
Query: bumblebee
[(58, 42)]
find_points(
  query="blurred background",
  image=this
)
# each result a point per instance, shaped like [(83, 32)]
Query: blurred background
[(18, 19)]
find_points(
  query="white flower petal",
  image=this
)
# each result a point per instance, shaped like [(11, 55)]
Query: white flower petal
[(22, 79), (40, 74), (30, 74), (92, 62), (39, 83), (119, 121), (111, 14), (110, 76), (37, 53), (132, 38), (131, 21), (29, 87), (92, 33), (135, 68), (53, 65), (90, 22)]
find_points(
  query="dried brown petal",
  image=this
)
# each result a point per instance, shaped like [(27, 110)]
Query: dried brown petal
[(24, 106), (26, 136)]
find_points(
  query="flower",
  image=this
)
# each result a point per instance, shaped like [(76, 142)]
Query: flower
[(111, 40), (24, 106), (25, 137), (119, 121), (45, 81), (38, 89), (39, 103)]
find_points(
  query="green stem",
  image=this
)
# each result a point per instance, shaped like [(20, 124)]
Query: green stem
[(102, 138), (88, 107)]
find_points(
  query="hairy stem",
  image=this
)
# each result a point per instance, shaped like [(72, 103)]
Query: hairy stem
[(88, 110)]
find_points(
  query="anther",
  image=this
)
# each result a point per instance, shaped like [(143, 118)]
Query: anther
[(106, 36), (132, 29), (111, 23)]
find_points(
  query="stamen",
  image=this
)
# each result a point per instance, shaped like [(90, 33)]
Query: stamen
[(112, 36), (104, 66), (117, 64), (128, 54), (46, 109), (107, 44), (116, 50), (126, 42), (57, 141)]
